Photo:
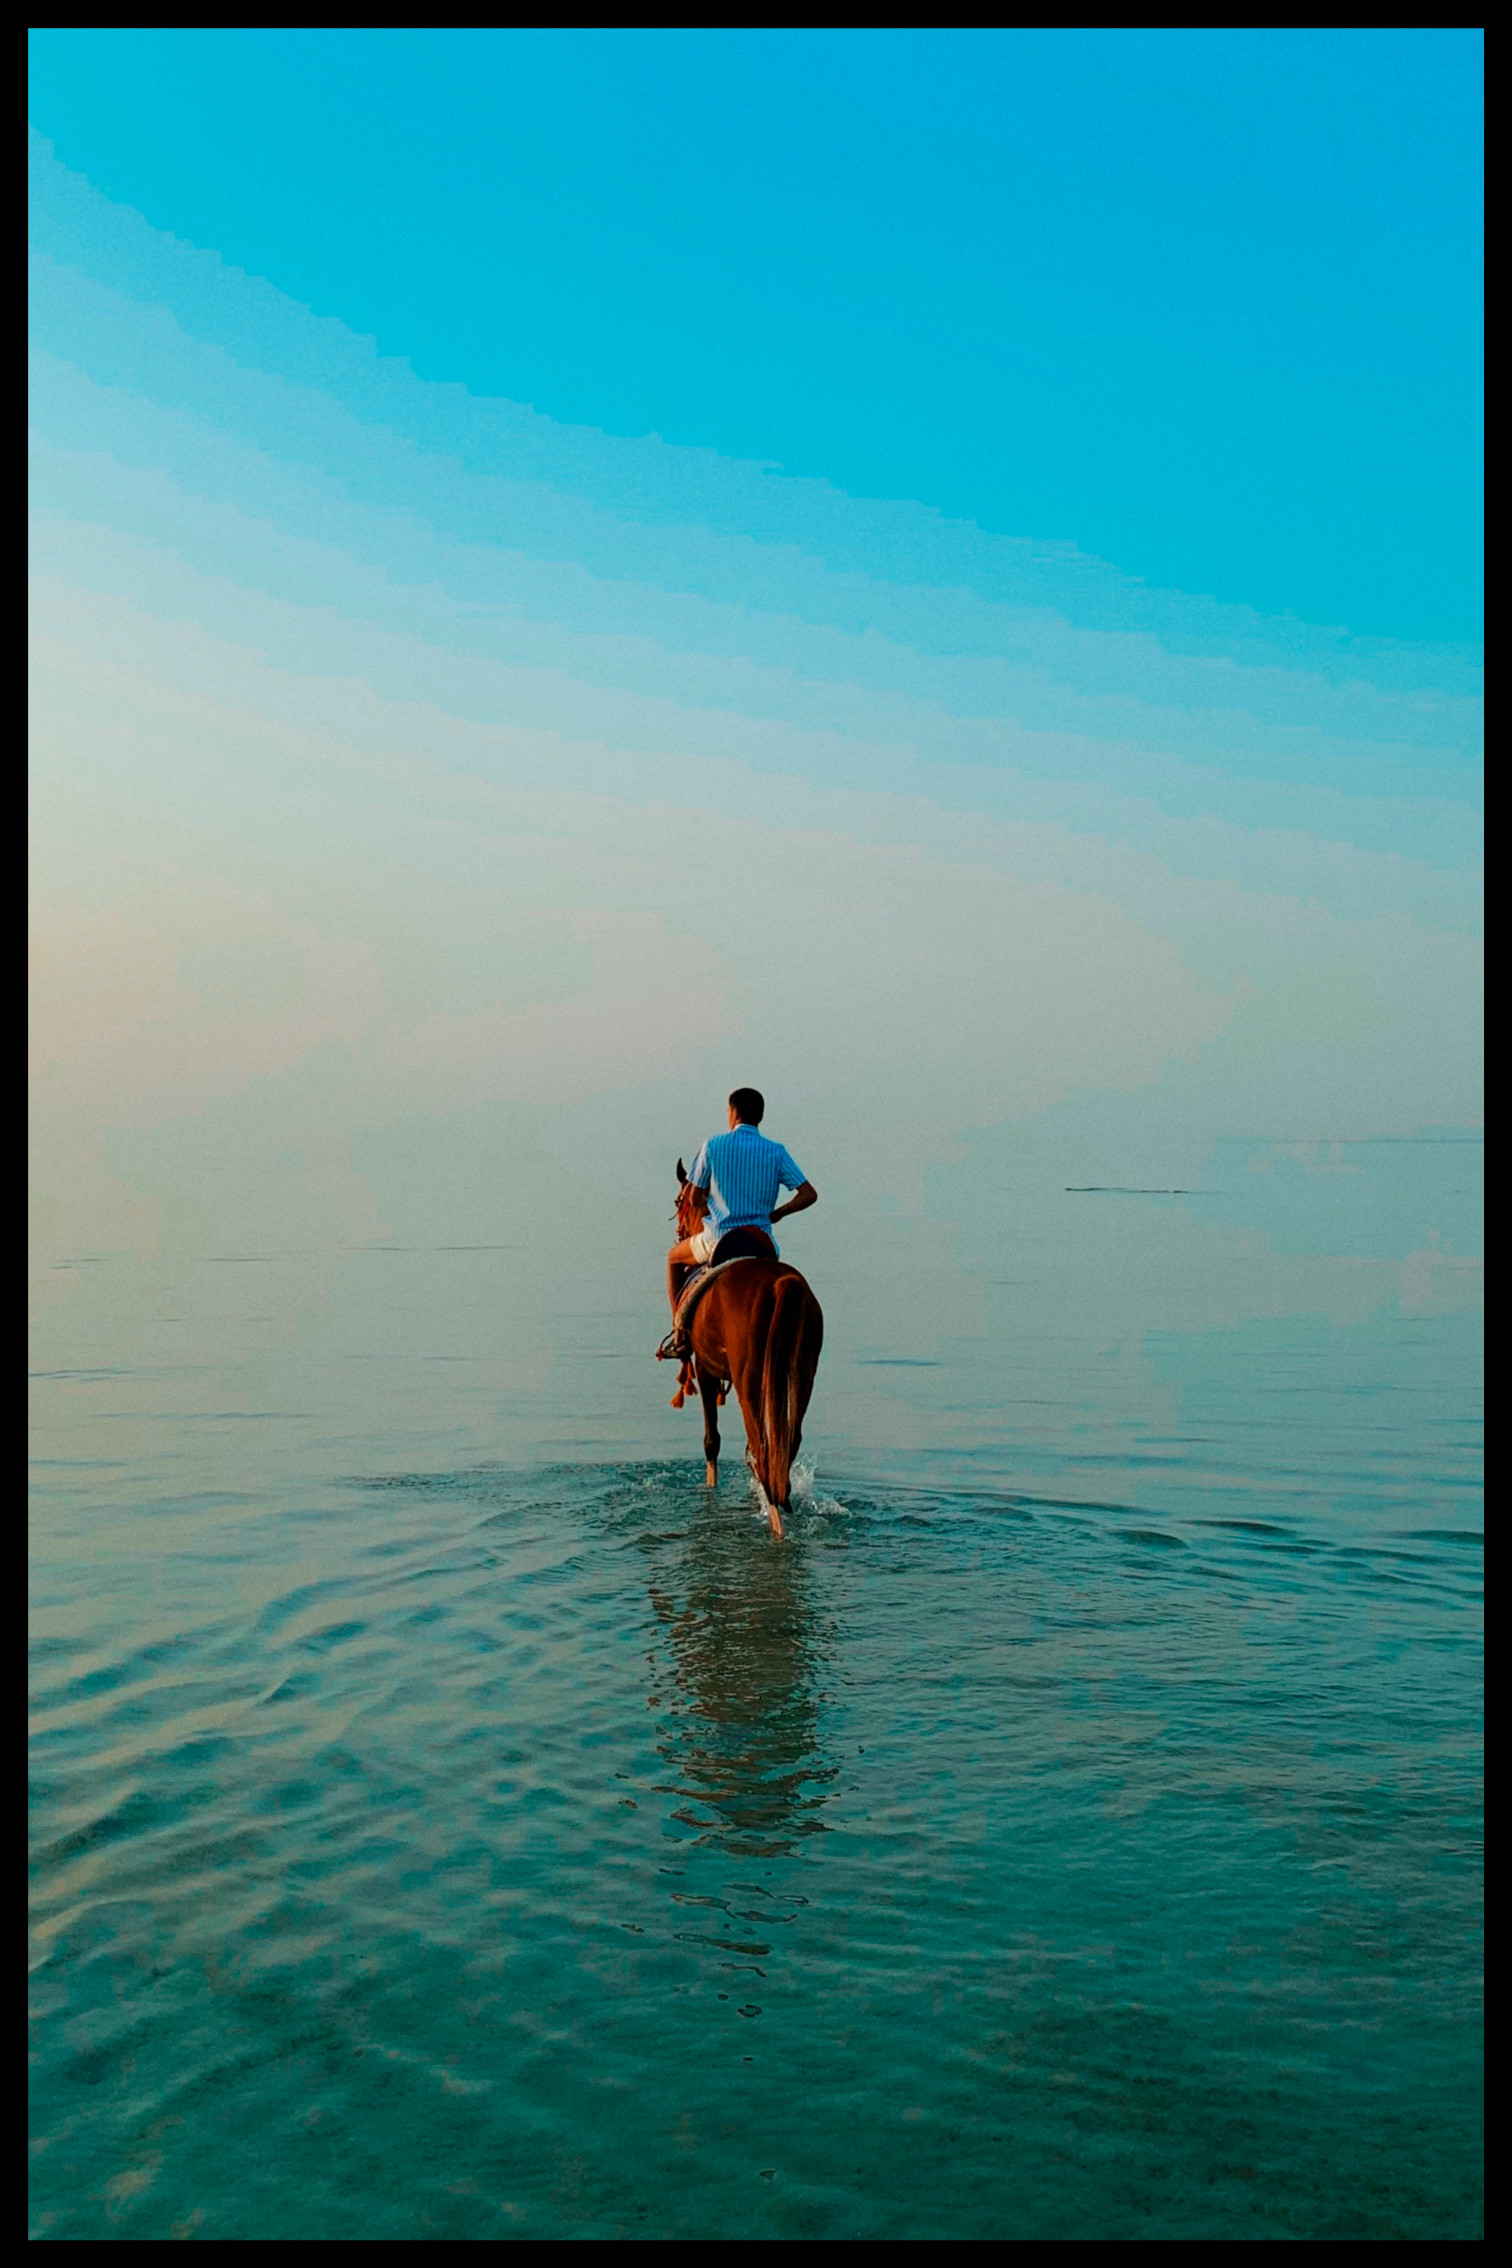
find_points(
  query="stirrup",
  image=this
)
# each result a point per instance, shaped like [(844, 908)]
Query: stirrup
[(674, 1347)]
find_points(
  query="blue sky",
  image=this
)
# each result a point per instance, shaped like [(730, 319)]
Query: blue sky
[(931, 575), (1205, 305)]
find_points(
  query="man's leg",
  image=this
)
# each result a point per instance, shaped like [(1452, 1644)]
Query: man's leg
[(680, 1264)]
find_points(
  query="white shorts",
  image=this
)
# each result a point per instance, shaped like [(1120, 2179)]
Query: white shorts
[(702, 1245)]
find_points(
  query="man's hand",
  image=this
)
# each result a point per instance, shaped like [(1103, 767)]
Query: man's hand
[(807, 1195)]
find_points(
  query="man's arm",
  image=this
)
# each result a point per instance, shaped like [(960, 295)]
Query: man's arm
[(806, 1195)]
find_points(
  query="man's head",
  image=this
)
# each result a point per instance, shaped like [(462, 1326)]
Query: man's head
[(746, 1107)]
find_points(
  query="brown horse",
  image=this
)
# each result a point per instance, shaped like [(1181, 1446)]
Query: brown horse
[(759, 1328)]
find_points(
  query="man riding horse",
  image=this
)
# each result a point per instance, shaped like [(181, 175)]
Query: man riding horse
[(742, 1172), (741, 1315)]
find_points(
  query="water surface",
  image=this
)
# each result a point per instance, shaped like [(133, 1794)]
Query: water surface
[(450, 1821)]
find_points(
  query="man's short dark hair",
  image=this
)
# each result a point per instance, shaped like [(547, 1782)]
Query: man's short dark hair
[(748, 1106)]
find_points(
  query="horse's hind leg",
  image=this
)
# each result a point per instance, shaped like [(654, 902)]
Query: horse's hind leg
[(756, 1452), (708, 1389)]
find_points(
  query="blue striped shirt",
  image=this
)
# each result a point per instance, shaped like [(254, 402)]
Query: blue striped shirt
[(743, 1171)]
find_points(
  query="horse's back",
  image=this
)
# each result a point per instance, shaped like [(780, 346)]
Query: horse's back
[(742, 1300), (742, 1304), (755, 1281)]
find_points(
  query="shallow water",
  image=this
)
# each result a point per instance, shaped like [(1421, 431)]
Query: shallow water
[(450, 1821)]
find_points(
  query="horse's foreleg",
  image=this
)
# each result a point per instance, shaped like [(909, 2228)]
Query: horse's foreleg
[(709, 1393)]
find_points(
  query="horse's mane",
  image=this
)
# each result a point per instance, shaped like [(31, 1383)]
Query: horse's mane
[(692, 1204)]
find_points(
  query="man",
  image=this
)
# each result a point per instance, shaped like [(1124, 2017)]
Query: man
[(742, 1171)]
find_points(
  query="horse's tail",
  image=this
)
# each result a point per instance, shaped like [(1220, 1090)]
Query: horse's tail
[(782, 1395)]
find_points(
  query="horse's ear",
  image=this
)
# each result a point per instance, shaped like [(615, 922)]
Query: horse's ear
[(681, 1175)]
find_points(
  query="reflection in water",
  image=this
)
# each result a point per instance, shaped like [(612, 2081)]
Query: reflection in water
[(737, 1676)]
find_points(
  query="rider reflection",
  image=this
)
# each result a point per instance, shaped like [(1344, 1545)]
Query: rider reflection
[(742, 1738)]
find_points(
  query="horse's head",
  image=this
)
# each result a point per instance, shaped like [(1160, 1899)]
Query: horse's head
[(692, 1204)]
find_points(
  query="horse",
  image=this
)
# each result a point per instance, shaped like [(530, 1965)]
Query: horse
[(757, 1327)]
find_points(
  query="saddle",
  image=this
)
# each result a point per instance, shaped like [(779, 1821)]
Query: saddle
[(743, 1244), (740, 1244)]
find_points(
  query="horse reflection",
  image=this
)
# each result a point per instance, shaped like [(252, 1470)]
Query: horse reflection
[(740, 1647)]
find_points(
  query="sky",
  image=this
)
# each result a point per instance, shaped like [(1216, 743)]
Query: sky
[(936, 574)]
